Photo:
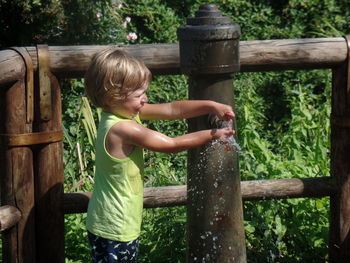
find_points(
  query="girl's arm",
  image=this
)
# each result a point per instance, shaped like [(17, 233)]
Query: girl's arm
[(133, 133), (184, 110)]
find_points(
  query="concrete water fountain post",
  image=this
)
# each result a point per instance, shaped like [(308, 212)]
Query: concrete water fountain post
[(209, 54)]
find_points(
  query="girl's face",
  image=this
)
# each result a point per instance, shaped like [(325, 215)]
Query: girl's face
[(133, 102)]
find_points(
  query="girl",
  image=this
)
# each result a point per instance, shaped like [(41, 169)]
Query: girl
[(117, 82)]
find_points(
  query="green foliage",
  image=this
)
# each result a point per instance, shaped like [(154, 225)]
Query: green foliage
[(158, 225), (291, 143), (155, 21), (61, 22), (79, 125), (77, 248), (292, 135)]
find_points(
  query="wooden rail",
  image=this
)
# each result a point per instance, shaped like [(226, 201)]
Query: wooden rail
[(251, 190), (256, 55)]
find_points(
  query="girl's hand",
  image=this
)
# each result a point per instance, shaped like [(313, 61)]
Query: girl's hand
[(223, 111), (223, 133)]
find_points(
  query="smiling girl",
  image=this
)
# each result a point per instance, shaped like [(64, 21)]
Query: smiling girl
[(117, 82)]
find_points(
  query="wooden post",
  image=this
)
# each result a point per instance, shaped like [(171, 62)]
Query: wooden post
[(340, 166), (17, 180), (208, 54), (49, 168)]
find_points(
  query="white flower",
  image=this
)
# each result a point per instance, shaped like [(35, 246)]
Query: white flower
[(98, 16), (131, 36), (120, 5), (126, 21)]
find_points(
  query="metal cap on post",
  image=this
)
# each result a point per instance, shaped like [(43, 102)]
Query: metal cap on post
[(209, 43), (209, 53)]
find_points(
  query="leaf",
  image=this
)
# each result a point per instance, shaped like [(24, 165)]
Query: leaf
[(280, 229), (88, 121)]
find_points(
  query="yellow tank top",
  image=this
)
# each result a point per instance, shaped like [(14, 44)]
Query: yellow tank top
[(115, 209)]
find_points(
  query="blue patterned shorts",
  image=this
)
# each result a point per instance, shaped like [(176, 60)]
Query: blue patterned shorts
[(105, 250)]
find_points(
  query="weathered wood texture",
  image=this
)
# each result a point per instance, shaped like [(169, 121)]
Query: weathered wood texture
[(256, 55), (168, 196), (212, 176), (17, 179), (165, 196), (340, 167), (12, 67), (9, 216), (287, 188), (49, 185), (284, 54), (72, 61)]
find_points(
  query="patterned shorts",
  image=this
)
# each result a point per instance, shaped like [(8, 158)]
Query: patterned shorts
[(104, 250)]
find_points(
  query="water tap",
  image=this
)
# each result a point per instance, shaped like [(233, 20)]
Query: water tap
[(216, 122)]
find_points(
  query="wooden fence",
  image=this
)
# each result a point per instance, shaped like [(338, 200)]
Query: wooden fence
[(31, 140)]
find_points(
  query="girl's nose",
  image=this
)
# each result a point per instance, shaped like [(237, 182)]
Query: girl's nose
[(144, 99)]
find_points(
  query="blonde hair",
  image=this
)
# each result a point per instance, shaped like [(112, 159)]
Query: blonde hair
[(112, 74)]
